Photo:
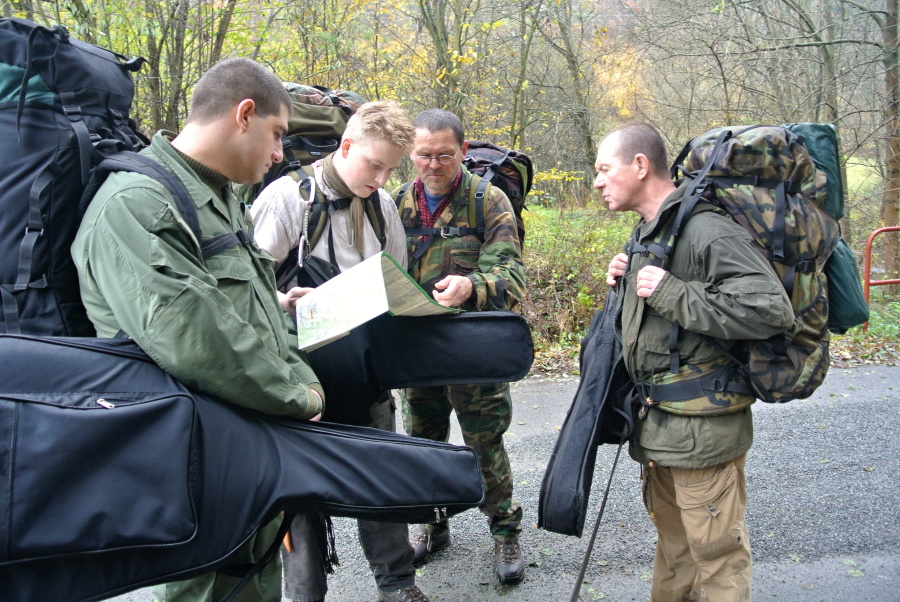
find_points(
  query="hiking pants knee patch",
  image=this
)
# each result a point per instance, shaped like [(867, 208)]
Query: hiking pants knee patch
[(712, 509)]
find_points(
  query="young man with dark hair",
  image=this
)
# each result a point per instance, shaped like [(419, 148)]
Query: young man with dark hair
[(213, 323)]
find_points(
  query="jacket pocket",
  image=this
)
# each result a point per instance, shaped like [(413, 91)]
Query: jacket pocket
[(662, 431), (463, 261)]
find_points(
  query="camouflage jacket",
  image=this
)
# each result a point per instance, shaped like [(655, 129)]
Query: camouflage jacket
[(720, 286), (494, 266)]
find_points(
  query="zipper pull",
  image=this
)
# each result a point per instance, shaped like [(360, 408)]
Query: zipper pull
[(105, 404)]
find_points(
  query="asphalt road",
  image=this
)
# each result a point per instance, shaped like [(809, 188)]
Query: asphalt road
[(823, 508)]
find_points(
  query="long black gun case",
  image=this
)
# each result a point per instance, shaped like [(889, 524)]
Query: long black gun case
[(114, 476)]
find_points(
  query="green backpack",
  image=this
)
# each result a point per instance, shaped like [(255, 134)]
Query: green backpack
[(847, 305), (764, 178), (315, 126)]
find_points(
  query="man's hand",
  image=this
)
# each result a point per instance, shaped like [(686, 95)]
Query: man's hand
[(318, 416), (288, 302), (453, 291), (648, 278), (616, 268)]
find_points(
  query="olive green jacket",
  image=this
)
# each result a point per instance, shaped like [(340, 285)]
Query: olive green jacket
[(718, 285), (495, 266), (215, 324)]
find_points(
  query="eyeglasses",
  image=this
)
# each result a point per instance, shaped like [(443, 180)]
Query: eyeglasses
[(442, 159)]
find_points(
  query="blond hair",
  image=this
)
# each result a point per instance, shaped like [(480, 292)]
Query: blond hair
[(381, 120)]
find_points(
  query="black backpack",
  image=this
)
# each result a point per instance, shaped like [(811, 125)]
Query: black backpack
[(509, 170), (67, 106)]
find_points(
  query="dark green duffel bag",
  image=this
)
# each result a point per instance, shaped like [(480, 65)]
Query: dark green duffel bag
[(847, 305)]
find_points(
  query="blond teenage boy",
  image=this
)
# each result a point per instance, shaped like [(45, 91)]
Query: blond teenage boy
[(376, 138)]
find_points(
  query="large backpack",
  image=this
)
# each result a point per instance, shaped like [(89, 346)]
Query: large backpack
[(64, 105), (764, 179), (509, 170), (316, 124)]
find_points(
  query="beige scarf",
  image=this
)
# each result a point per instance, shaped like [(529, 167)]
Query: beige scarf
[(358, 219)]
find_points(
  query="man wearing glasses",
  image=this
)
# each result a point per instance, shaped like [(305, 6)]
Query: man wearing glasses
[(473, 262)]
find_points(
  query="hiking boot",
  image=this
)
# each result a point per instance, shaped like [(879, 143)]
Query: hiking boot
[(407, 594), (428, 539), (508, 560)]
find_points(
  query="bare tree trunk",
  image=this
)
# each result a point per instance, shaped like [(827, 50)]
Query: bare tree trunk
[(581, 113), (434, 13), (176, 61), (889, 206), (528, 25), (225, 15)]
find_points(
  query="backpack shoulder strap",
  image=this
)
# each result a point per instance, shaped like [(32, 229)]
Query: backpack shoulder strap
[(376, 217), (402, 192), (142, 164), (316, 213), (477, 206)]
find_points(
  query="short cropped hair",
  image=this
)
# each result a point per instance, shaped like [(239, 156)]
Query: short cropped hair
[(229, 82), (381, 120), (640, 138), (435, 120)]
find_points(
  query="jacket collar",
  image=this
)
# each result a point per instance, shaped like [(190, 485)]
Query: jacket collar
[(200, 193), (667, 211)]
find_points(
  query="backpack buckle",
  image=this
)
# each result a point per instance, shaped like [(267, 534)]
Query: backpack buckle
[(73, 112)]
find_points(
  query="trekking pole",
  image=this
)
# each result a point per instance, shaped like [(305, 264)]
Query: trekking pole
[(590, 548)]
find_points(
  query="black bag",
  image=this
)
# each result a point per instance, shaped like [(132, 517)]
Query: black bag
[(601, 412), (396, 352), (114, 476), (509, 170), (71, 108)]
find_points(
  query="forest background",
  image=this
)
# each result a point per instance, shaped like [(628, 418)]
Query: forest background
[(549, 77)]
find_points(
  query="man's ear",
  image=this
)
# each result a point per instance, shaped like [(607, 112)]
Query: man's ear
[(641, 166), (346, 143), (465, 147), (245, 110)]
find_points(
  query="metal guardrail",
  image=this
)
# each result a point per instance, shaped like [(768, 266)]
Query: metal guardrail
[(867, 282)]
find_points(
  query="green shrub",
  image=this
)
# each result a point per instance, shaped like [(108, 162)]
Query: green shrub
[(566, 255)]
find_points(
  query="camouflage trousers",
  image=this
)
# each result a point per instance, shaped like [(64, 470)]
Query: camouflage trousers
[(484, 413)]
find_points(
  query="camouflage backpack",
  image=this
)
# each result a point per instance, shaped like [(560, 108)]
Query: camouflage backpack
[(763, 177)]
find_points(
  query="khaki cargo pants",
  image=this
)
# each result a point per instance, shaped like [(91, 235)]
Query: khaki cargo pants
[(703, 550)]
